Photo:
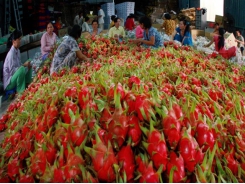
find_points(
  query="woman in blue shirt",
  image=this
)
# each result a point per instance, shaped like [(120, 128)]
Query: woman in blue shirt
[(183, 33), (151, 37)]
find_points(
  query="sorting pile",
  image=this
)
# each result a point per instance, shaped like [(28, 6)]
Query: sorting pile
[(133, 115)]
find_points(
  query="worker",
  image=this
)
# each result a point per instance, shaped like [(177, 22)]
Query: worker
[(15, 74)]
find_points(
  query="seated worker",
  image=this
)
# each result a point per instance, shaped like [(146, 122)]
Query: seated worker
[(168, 24), (85, 27), (183, 33), (219, 42), (151, 37), (139, 32), (15, 74), (47, 41), (240, 41), (68, 51), (117, 31), (95, 30), (112, 21), (216, 28), (129, 24)]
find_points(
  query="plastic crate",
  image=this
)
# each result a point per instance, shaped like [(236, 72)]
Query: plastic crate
[(108, 5), (36, 37), (3, 40), (126, 4), (39, 35), (32, 38), (25, 40), (110, 13), (124, 9), (6, 36), (124, 15), (109, 9), (106, 26), (3, 48)]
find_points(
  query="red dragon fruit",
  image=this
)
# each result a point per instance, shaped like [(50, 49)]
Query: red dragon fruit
[(188, 149), (143, 107), (130, 100), (71, 169), (134, 132), (103, 159), (14, 165), (175, 165), (26, 178), (133, 80), (65, 115), (204, 136), (116, 90), (232, 164), (156, 147), (38, 162), (118, 126), (146, 171), (127, 162), (171, 129), (77, 130), (84, 95), (51, 115)]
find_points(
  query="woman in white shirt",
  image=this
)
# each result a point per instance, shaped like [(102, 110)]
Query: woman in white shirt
[(85, 27)]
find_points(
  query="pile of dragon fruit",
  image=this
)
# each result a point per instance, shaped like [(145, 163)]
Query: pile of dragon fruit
[(132, 115)]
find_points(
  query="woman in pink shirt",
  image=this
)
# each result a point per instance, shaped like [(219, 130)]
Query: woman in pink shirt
[(139, 32), (219, 42), (47, 41)]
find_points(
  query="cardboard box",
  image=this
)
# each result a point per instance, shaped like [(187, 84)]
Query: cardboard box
[(196, 32), (219, 19), (209, 33), (230, 40), (62, 32)]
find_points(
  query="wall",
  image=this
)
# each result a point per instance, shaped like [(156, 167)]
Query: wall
[(235, 9), (183, 4), (195, 3), (211, 11), (1, 14)]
